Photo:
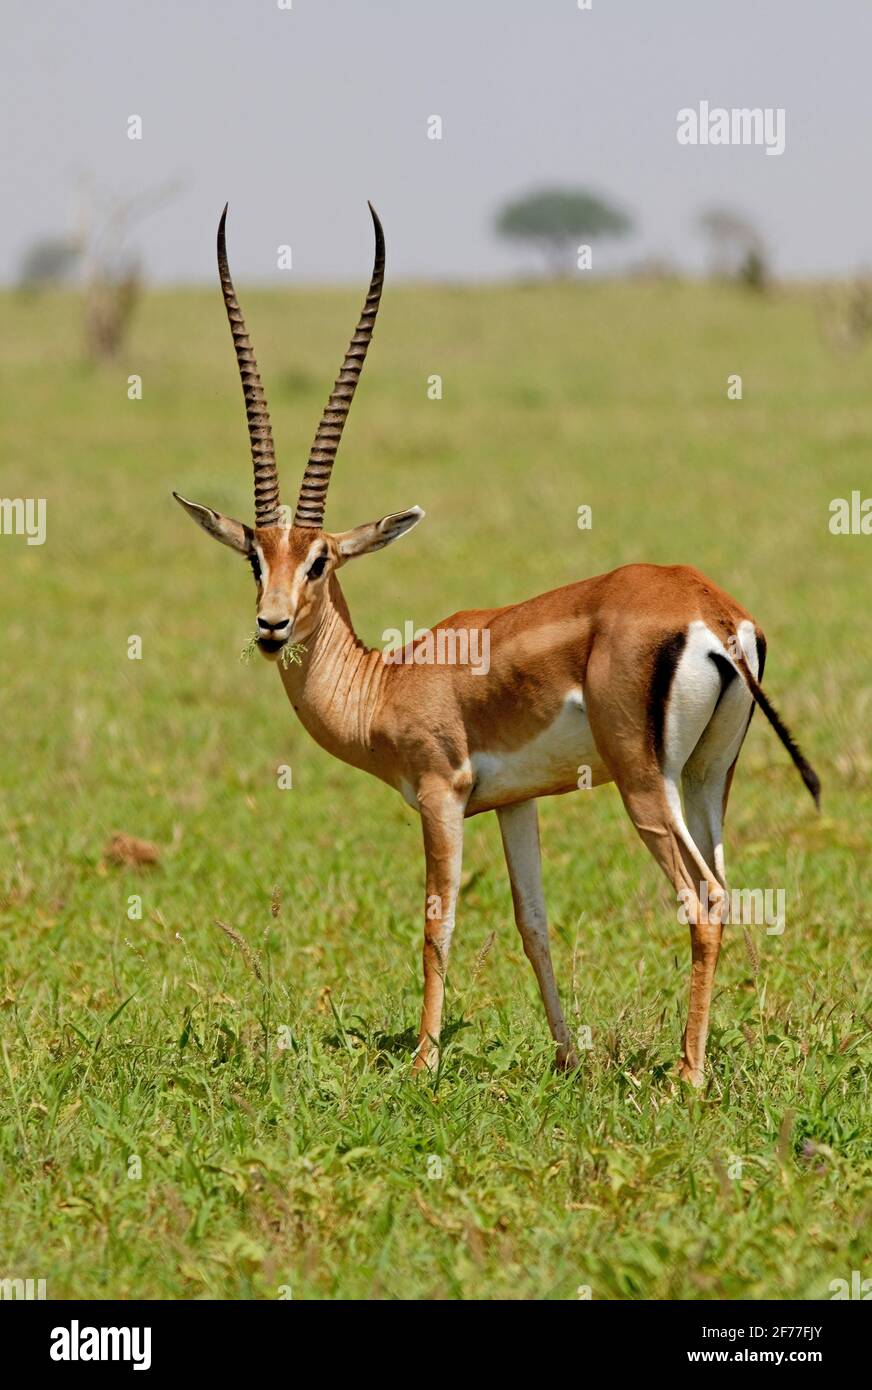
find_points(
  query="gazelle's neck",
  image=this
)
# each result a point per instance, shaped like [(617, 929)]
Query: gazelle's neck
[(336, 688)]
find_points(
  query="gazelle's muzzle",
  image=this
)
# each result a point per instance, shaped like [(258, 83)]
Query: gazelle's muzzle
[(272, 635)]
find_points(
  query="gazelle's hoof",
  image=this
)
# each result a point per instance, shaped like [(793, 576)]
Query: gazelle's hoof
[(688, 1074), (565, 1060), (425, 1061)]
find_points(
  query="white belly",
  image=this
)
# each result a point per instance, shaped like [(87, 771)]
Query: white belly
[(560, 757)]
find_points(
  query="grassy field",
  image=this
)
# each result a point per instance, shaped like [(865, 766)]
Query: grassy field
[(172, 1126)]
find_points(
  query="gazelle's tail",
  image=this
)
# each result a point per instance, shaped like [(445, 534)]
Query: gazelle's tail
[(803, 766)]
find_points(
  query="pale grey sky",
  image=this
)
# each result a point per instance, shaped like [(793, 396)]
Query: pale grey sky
[(297, 116)]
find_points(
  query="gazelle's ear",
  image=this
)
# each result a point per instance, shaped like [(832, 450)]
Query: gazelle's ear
[(223, 528), (375, 535)]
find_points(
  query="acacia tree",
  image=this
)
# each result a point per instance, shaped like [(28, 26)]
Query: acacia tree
[(49, 261), (557, 220)]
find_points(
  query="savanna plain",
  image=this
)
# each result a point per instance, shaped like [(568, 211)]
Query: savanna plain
[(186, 1113)]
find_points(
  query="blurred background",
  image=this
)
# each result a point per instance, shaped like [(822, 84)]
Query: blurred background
[(299, 114), (499, 142), (702, 382)]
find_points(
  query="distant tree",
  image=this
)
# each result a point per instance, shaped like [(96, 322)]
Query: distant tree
[(49, 261), (557, 220), (113, 278), (754, 272), (736, 248), (97, 256)]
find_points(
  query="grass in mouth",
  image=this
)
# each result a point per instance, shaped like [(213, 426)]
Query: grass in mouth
[(290, 655)]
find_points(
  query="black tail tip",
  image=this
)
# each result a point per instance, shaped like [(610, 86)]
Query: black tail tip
[(813, 782)]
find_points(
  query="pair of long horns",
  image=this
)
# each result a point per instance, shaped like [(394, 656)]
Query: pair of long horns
[(316, 479)]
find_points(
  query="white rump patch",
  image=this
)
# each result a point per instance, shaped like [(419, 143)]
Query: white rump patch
[(693, 694)]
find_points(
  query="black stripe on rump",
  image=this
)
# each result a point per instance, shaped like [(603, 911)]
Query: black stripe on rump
[(727, 673), (666, 658)]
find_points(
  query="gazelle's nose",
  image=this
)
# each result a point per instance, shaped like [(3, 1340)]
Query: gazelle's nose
[(266, 625)]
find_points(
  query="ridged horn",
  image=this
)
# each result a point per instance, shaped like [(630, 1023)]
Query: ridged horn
[(316, 479), (263, 454)]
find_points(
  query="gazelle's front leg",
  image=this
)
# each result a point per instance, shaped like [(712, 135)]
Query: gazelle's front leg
[(519, 827), (442, 811)]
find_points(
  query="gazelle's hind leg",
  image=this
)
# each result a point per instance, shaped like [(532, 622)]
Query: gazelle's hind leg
[(667, 837), (647, 741)]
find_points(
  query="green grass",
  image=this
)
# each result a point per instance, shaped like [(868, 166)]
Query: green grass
[(281, 1141)]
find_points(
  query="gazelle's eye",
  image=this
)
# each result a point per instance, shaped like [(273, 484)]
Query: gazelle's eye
[(316, 569), (255, 565)]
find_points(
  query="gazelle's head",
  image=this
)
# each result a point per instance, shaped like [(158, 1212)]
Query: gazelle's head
[(293, 559)]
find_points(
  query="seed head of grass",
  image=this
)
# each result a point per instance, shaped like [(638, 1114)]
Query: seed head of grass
[(251, 958)]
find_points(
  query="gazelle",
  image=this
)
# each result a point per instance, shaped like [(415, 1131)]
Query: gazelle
[(646, 676)]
